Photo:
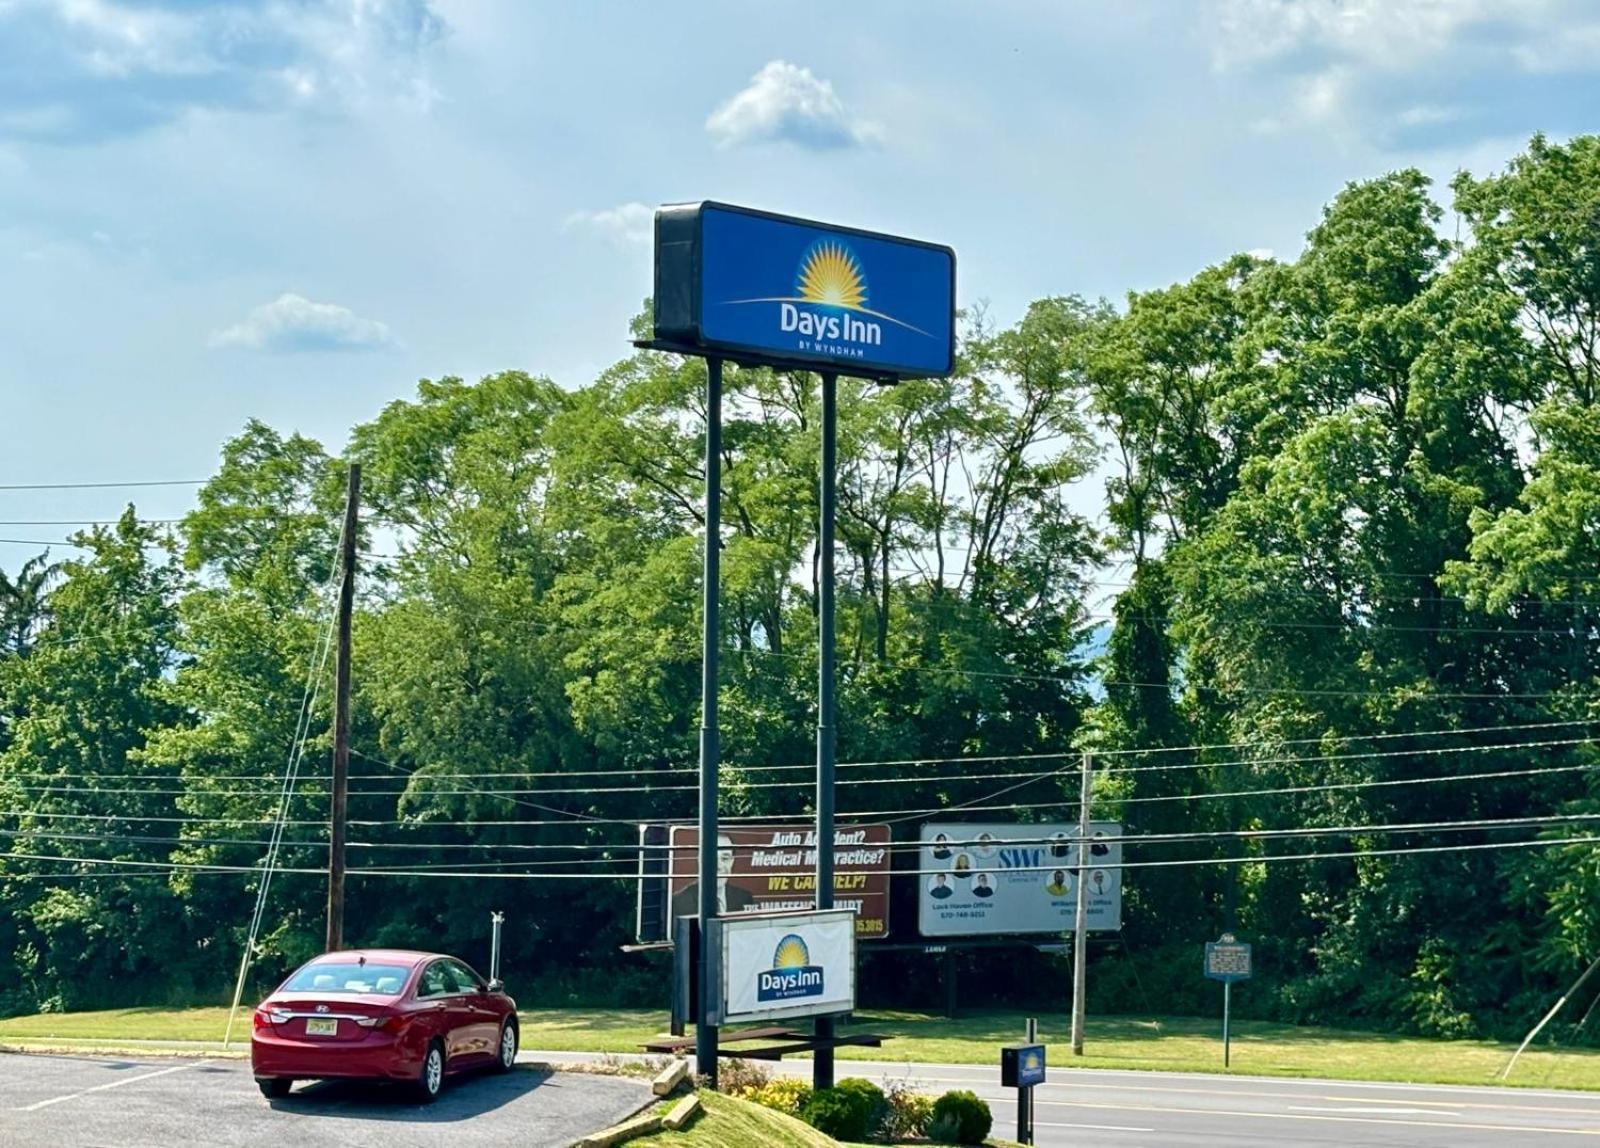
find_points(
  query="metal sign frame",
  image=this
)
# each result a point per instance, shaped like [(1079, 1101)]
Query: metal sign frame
[(679, 303), (718, 933)]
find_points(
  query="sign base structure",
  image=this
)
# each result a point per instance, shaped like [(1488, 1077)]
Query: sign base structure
[(781, 966)]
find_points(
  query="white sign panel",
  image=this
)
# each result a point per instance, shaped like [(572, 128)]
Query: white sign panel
[(993, 878), (786, 964)]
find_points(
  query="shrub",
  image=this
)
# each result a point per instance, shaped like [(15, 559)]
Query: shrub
[(906, 1113), (877, 1104), (786, 1094), (740, 1077), (959, 1117), (842, 1113)]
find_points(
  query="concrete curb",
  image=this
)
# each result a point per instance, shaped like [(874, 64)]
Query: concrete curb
[(630, 1129)]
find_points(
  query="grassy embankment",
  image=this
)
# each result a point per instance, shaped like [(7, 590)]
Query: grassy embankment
[(729, 1123), (1182, 1044)]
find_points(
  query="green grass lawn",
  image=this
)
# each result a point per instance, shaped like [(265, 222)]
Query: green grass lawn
[(730, 1123), (1183, 1044)]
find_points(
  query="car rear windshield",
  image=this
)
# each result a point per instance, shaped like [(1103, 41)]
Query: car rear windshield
[(347, 978)]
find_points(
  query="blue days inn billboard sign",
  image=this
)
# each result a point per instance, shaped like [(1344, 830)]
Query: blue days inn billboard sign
[(762, 288)]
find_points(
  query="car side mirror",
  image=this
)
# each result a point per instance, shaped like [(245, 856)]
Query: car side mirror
[(496, 985)]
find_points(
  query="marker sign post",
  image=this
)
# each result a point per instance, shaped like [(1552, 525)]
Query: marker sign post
[(1022, 1068), (1227, 960)]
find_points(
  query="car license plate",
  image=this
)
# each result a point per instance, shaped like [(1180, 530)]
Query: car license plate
[(315, 1027)]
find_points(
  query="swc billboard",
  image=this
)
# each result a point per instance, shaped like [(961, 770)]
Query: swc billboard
[(987, 879), (774, 289)]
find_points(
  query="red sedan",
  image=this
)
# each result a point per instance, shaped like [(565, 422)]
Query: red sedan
[(383, 1014)]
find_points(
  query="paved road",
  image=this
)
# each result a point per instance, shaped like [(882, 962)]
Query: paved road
[(1182, 1110), (125, 1102), (1113, 1109)]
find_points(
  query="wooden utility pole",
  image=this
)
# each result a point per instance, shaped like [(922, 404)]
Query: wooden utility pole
[(341, 715), (1080, 933)]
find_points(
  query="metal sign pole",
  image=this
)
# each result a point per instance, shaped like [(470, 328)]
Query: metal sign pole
[(496, 919), (822, 1064), (1227, 1008), (705, 1033), (1025, 1095), (1080, 932)]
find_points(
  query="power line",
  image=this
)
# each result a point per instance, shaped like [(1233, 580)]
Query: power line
[(1455, 731), (1264, 859), (970, 777), (170, 866), (85, 521), (102, 485)]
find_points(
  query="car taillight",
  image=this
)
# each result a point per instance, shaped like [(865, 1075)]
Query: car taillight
[(259, 1019), (390, 1023)]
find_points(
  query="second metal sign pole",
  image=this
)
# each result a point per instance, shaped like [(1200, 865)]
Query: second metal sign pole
[(822, 1064), (705, 1033), (1227, 1010), (1080, 930)]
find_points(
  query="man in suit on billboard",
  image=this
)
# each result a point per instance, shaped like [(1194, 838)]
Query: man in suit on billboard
[(730, 898)]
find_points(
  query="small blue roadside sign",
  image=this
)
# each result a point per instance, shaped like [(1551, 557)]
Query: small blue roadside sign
[(773, 289), (1021, 1065)]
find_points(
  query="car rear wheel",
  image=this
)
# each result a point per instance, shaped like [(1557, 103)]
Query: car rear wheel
[(430, 1079), (274, 1087), (507, 1058)]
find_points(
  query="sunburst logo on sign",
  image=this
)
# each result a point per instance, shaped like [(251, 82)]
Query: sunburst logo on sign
[(791, 954), (829, 312), (792, 974), (831, 276)]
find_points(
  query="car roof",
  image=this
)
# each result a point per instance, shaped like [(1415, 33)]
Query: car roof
[(376, 957)]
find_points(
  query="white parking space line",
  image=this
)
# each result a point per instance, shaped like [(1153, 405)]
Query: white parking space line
[(99, 1088)]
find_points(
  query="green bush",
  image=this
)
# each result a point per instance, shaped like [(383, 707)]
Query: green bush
[(786, 1094), (842, 1113), (877, 1104), (738, 1077), (959, 1117), (906, 1113)]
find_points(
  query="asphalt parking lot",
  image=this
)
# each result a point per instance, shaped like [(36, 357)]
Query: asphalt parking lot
[(124, 1102)]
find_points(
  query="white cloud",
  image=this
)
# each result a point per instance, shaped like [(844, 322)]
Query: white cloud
[(81, 70), (787, 103), (294, 323), (626, 225), (1417, 69)]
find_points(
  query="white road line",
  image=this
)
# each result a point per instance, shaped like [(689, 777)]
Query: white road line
[(1346, 1109), (1257, 1115), (1091, 1127), (99, 1088)]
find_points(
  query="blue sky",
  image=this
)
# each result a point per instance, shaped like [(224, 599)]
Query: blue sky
[(294, 209)]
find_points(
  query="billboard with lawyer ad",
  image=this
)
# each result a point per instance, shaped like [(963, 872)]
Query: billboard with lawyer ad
[(979, 879), (759, 287), (772, 868)]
